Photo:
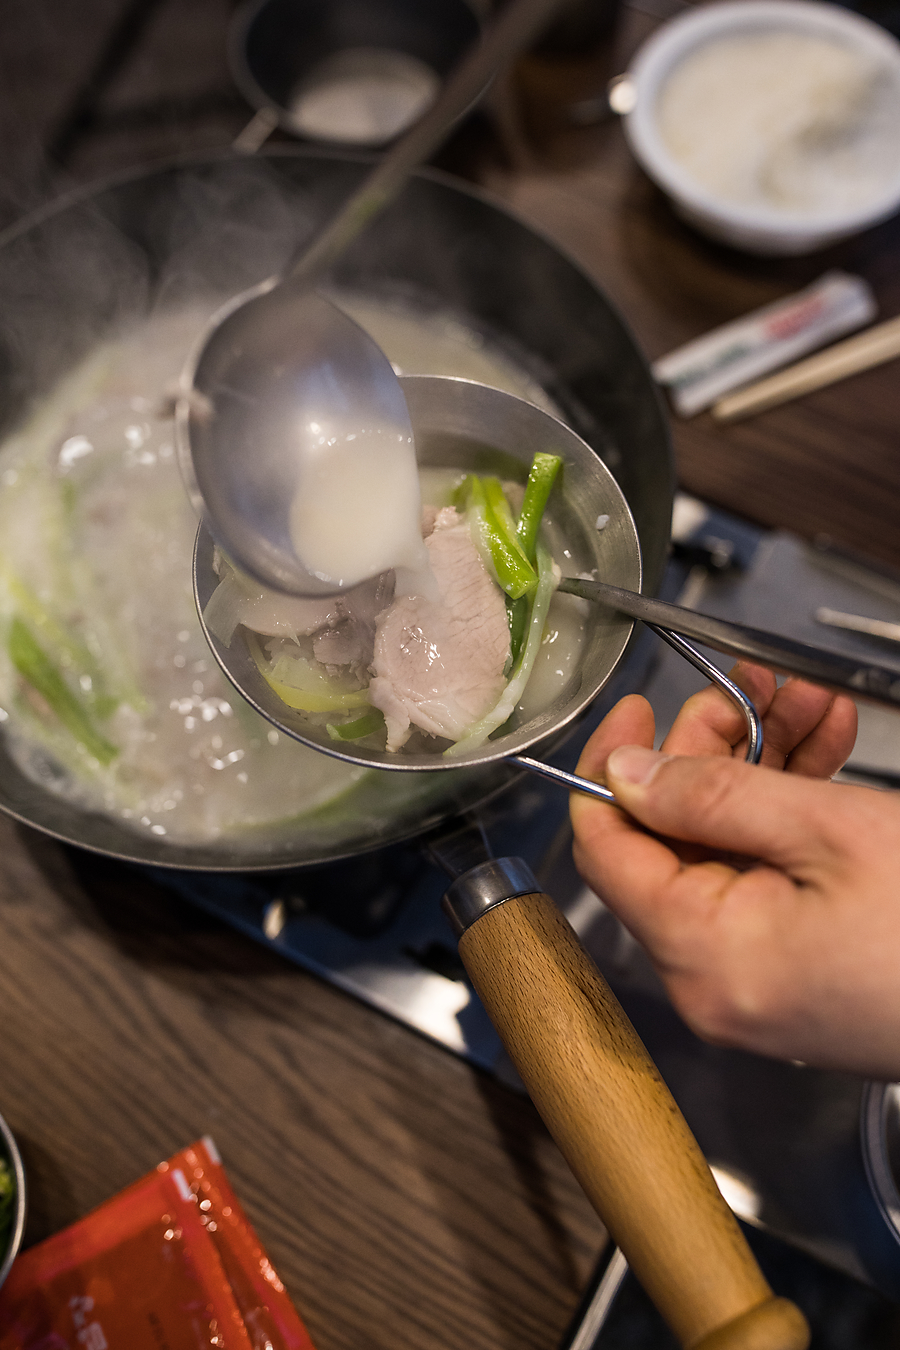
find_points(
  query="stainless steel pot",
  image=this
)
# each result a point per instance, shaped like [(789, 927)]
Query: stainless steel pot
[(275, 44), (71, 273)]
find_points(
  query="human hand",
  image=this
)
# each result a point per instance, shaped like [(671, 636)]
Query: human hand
[(767, 898)]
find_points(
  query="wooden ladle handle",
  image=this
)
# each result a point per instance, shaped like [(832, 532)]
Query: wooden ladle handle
[(618, 1126)]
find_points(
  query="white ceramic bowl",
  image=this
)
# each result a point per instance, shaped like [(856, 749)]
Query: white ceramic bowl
[(764, 229)]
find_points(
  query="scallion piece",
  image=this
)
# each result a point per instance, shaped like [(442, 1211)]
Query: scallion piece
[(517, 615), (501, 511), (303, 684), (479, 732), (37, 670), (366, 725), (496, 542), (541, 478)]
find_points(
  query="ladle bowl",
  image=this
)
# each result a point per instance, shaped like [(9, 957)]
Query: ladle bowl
[(463, 425), (274, 373)]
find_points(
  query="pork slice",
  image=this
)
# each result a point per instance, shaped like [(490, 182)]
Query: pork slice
[(438, 663)]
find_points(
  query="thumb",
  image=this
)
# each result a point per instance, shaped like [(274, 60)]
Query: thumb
[(723, 803)]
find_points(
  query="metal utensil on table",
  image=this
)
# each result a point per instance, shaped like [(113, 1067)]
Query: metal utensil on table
[(572, 1045), (858, 623), (279, 366)]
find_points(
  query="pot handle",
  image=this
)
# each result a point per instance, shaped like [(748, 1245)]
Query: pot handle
[(612, 1116)]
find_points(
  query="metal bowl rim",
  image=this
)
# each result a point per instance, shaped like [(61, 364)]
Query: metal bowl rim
[(873, 1142), (11, 1149), (258, 97)]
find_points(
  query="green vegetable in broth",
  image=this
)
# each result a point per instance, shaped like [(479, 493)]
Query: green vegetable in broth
[(541, 477), (46, 679), (433, 656), (367, 725), (494, 533), (7, 1203)]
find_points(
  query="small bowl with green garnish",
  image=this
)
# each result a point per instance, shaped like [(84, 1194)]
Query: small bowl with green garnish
[(12, 1199)]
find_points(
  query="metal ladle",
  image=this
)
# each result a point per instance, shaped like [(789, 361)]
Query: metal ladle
[(468, 426), (278, 363), (465, 425)]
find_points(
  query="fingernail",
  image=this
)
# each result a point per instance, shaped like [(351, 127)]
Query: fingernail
[(634, 764)]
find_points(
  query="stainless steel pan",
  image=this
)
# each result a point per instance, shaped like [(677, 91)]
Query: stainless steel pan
[(73, 272)]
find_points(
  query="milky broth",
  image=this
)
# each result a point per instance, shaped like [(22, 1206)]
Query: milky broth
[(96, 529), (357, 507), (439, 344), (357, 510)]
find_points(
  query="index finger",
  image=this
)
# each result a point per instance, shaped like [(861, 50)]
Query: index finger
[(711, 723)]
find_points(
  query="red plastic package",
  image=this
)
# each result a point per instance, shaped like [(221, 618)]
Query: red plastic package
[(170, 1263)]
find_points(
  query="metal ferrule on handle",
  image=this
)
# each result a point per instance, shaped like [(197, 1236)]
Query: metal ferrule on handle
[(482, 887)]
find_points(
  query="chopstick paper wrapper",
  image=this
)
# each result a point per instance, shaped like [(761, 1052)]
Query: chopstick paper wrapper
[(729, 357), (872, 348), (171, 1261)]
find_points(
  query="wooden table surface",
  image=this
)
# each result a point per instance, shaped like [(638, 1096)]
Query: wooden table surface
[(406, 1199)]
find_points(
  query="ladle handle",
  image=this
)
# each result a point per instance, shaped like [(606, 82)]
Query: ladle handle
[(507, 35), (857, 677), (612, 1116)]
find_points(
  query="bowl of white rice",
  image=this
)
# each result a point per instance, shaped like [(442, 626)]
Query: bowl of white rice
[(773, 125)]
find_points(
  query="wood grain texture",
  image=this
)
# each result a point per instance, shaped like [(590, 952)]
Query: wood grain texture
[(406, 1199), (620, 1130), (775, 1322)]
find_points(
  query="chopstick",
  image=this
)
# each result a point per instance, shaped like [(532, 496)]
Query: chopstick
[(858, 623), (871, 348)]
